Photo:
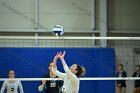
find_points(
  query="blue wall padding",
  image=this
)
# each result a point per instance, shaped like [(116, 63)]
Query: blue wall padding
[(33, 62)]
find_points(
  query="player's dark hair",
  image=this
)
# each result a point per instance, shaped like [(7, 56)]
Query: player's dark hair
[(50, 63), (80, 70), (137, 66), (11, 70), (121, 65)]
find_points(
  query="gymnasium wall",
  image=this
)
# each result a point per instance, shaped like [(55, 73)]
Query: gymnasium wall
[(32, 63), (71, 14), (124, 15)]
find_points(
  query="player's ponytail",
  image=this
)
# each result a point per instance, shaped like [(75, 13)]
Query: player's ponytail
[(83, 71), (80, 71)]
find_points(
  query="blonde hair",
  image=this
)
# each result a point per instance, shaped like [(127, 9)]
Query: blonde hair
[(81, 70)]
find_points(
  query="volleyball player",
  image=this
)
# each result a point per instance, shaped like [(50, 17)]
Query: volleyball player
[(121, 84), (137, 82), (51, 86), (11, 86), (71, 75)]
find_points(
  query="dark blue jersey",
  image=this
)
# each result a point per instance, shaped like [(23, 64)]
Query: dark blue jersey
[(52, 86), (121, 74), (137, 82)]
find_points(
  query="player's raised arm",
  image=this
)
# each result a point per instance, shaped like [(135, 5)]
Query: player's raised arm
[(54, 68)]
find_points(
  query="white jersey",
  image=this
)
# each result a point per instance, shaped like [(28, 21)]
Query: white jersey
[(12, 87), (71, 81)]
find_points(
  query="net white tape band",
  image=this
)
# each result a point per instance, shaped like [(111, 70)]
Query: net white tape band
[(69, 38), (39, 79)]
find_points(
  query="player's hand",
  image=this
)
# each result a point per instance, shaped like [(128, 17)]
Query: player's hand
[(56, 56), (43, 82), (62, 55)]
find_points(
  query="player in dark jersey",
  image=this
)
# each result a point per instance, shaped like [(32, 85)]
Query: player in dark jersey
[(137, 82), (53, 86), (121, 84)]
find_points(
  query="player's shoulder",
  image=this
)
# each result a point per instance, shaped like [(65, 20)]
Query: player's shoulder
[(135, 72), (18, 81), (5, 81)]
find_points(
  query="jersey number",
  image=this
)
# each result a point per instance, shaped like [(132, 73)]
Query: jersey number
[(53, 85), (12, 89)]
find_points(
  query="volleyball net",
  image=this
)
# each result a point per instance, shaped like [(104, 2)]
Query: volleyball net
[(29, 57)]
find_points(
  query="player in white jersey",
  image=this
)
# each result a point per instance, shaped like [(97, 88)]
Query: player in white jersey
[(12, 86), (71, 75)]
